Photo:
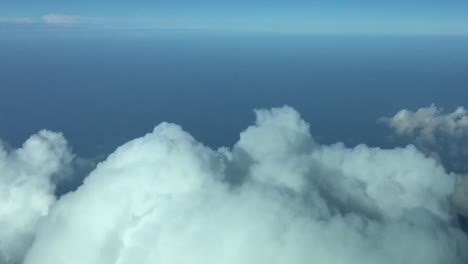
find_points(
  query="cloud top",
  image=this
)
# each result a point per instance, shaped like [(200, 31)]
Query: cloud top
[(441, 135), (427, 122), (437, 133), (276, 196), (27, 180)]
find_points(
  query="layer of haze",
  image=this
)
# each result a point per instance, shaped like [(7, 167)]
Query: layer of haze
[(101, 88), (433, 17)]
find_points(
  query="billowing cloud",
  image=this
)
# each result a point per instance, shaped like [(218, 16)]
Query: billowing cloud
[(276, 196), (427, 122), (436, 133), (27, 181), (441, 135), (61, 19)]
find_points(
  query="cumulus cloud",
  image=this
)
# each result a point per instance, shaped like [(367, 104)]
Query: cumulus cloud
[(436, 133), (61, 19), (276, 196), (27, 181), (428, 121), (441, 135)]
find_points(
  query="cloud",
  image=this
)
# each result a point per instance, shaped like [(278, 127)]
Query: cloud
[(460, 196), (276, 196), (27, 181), (61, 19), (436, 133), (51, 19), (426, 122), (441, 135)]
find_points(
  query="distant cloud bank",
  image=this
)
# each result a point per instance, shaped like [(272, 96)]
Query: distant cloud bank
[(276, 196)]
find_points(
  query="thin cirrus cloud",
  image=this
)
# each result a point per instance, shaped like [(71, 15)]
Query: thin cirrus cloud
[(276, 196), (50, 19), (61, 19)]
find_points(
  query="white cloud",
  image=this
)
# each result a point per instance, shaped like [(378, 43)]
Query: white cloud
[(61, 19), (425, 123), (436, 133), (27, 177), (441, 135), (275, 197)]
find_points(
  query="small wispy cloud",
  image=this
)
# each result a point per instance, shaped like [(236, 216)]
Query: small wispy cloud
[(50, 19), (61, 19)]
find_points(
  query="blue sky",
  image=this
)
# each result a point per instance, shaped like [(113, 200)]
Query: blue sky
[(294, 16)]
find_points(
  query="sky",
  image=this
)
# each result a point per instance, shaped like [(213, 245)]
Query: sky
[(324, 17)]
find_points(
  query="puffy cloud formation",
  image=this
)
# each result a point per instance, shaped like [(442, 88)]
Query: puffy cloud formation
[(427, 121), (436, 133), (276, 196), (61, 19), (441, 135), (27, 181)]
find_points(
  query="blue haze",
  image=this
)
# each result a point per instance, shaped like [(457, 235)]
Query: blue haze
[(104, 87), (287, 16)]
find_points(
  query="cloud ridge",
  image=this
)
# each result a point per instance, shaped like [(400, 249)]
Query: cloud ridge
[(27, 180), (276, 196)]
